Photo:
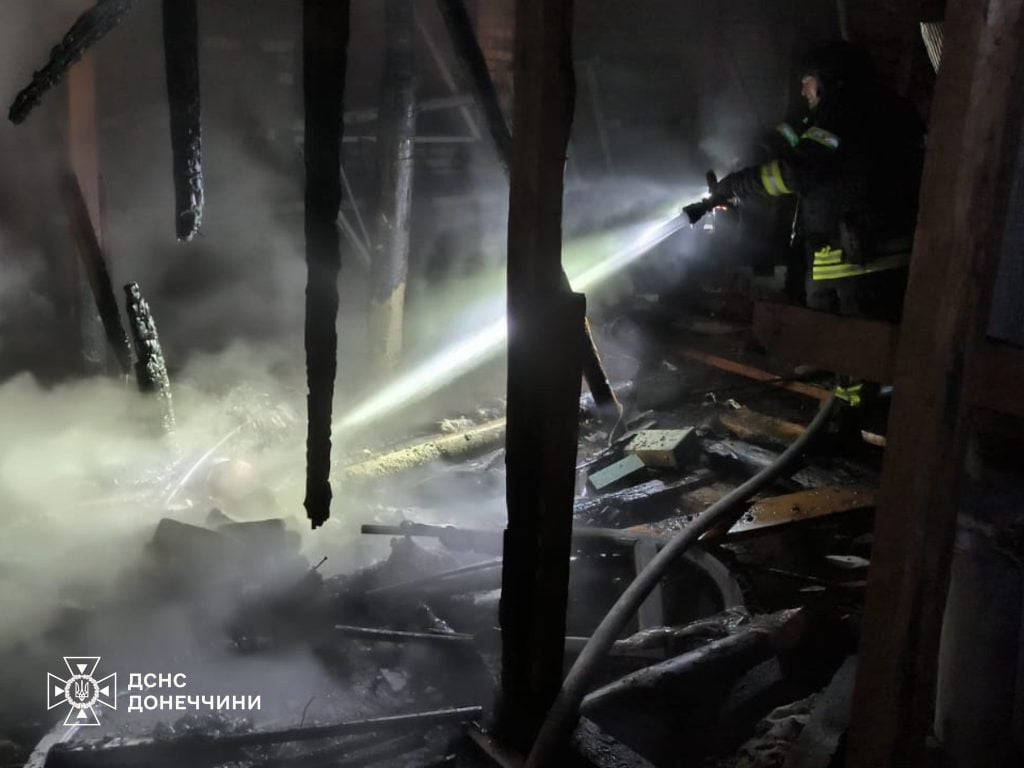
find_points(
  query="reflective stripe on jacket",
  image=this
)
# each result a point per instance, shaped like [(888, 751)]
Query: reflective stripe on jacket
[(829, 265)]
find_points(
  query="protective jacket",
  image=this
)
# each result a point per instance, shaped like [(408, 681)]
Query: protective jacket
[(855, 163)]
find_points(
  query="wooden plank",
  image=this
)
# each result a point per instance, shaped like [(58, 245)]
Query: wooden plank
[(803, 506), (972, 148), (747, 424), (864, 349), (750, 372)]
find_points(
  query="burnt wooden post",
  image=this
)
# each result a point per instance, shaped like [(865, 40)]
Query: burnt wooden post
[(82, 199), (150, 366), (469, 53), (544, 372), (395, 139), (325, 25), (467, 49), (181, 57), (972, 145), (94, 264)]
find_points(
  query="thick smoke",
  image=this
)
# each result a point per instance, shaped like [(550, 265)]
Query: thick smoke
[(85, 475)]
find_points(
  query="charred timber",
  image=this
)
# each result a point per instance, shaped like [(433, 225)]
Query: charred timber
[(397, 636), (643, 493), (426, 582), (467, 49), (88, 29), (181, 55), (460, 29), (95, 264), (740, 651), (209, 750), (150, 367), (325, 43), (395, 145)]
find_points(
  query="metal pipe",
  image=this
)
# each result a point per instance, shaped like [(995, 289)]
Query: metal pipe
[(562, 716)]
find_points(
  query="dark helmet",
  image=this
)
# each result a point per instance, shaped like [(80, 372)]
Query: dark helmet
[(838, 66)]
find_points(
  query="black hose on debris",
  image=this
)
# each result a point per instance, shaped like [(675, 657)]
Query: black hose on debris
[(564, 712)]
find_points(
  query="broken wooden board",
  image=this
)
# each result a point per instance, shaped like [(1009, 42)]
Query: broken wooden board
[(644, 493), (662, 447), (804, 505), (750, 372), (747, 424), (753, 459), (751, 425)]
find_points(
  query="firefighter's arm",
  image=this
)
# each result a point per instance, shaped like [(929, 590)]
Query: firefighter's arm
[(784, 176)]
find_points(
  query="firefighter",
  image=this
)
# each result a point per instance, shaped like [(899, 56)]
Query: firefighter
[(854, 163)]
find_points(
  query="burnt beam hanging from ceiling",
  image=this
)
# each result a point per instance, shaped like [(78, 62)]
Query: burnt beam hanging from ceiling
[(325, 45), (181, 58), (88, 29)]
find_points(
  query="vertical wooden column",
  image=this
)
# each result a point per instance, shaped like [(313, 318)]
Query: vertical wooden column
[(83, 157), (971, 150), (395, 144), (544, 373), (83, 139), (473, 60), (325, 29), (83, 198)]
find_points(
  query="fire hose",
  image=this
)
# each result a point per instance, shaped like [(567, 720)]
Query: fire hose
[(564, 712)]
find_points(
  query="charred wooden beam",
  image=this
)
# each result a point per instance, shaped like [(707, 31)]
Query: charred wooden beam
[(396, 636), (743, 650), (426, 582), (150, 367), (181, 57), (88, 29), (353, 753), (207, 750), (396, 131), (750, 372), (467, 48), (95, 265), (80, 191), (325, 44), (489, 539), (544, 375), (642, 493), (477, 438), (973, 147), (460, 29)]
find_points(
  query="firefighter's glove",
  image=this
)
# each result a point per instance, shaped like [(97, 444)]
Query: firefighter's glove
[(729, 187)]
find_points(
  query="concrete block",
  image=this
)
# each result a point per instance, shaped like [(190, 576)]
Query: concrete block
[(663, 447)]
